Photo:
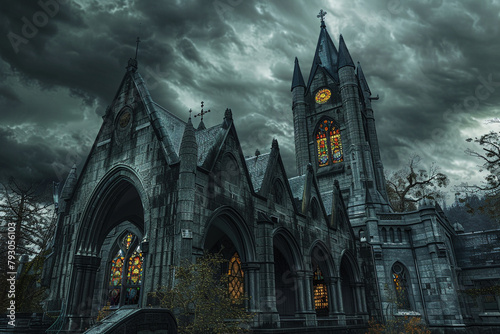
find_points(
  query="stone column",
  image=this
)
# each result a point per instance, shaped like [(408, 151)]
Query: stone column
[(145, 255), (340, 302), (250, 270), (79, 309), (333, 296), (268, 316)]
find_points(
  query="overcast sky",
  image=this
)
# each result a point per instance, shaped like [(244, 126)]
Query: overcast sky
[(434, 64)]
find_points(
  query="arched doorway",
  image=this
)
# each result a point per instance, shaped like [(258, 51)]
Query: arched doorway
[(348, 284), (226, 233), (322, 267), (289, 287), (117, 201)]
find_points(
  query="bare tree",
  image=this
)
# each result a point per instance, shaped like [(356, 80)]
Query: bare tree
[(490, 158), (407, 186), (28, 207), (26, 226)]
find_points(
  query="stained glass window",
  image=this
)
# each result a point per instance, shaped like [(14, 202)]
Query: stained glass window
[(399, 279), (328, 143), (320, 293), (236, 277), (126, 272), (322, 96)]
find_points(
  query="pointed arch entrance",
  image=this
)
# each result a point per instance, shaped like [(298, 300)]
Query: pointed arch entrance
[(323, 282), (293, 296), (118, 203), (351, 286), (228, 234)]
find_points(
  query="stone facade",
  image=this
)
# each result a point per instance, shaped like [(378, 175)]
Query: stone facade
[(319, 250)]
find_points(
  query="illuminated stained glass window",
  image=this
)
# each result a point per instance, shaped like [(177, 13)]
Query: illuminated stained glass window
[(126, 273), (320, 293), (236, 277), (400, 284), (329, 144)]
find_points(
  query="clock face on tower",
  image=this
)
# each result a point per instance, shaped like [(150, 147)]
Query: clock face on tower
[(322, 95)]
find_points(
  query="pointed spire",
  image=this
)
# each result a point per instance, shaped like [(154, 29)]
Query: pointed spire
[(201, 126), (188, 151), (325, 56), (228, 118), (69, 184), (306, 195), (132, 62), (335, 204), (344, 55), (275, 145), (298, 80), (362, 80)]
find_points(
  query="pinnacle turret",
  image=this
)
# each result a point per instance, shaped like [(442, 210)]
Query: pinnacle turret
[(69, 184), (344, 58), (362, 80), (188, 150), (298, 80)]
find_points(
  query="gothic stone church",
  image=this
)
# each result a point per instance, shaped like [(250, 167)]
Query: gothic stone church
[(322, 250)]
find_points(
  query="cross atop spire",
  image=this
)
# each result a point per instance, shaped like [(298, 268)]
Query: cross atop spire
[(137, 47), (322, 16), (202, 112)]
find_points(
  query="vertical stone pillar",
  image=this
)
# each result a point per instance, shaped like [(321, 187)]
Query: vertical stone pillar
[(341, 314), (268, 316), (304, 297), (333, 296), (250, 270), (79, 309)]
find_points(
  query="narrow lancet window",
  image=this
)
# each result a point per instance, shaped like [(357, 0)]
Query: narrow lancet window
[(329, 144)]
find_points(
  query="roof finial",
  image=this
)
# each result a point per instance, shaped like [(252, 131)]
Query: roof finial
[(137, 47), (190, 111), (322, 16), (202, 112)]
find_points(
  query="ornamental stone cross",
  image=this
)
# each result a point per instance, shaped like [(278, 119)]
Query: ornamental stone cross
[(321, 15), (202, 112)]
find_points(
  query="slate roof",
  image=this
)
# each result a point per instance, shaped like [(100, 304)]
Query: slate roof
[(297, 186), (325, 56), (327, 201), (173, 125), (257, 166), (208, 140)]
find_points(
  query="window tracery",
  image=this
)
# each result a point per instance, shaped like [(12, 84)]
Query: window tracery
[(236, 277), (126, 273), (320, 292), (401, 286), (329, 144)]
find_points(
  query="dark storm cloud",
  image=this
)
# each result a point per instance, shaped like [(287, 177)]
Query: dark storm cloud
[(425, 59)]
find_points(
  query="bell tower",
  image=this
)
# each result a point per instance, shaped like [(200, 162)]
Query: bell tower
[(334, 128)]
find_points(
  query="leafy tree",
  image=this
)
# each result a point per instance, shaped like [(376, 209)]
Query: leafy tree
[(407, 186), (490, 158), (201, 299)]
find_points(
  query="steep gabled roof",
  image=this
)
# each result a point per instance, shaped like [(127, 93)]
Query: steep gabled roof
[(257, 166), (209, 141), (168, 128)]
